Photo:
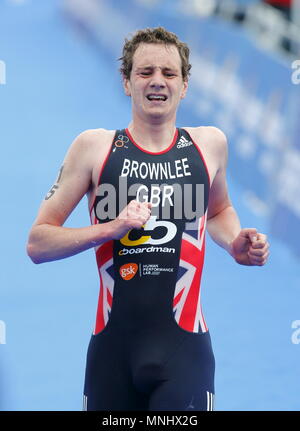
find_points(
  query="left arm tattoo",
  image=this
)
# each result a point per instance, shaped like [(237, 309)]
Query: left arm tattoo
[(55, 186)]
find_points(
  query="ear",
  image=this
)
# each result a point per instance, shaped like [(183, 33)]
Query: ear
[(184, 88), (126, 86)]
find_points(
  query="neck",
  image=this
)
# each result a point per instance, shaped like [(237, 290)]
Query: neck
[(151, 136)]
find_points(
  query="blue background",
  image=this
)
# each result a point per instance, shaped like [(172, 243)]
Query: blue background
[(62, 78)]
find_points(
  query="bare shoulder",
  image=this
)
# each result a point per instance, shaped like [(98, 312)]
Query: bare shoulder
[(213, 137), (97, 144), (90, 147), (95, 134), (92, 139), (212, 143)]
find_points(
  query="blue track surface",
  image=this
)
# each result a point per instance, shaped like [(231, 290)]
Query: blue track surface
[(58, 85)]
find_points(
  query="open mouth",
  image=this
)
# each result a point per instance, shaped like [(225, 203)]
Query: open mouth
[(158, 97)]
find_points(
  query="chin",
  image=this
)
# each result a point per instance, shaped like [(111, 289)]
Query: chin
[(157, 115), (158, 111)]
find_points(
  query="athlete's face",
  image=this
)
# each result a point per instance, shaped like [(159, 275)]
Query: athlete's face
[(156, 85)]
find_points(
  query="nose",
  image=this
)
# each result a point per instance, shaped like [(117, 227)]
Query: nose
[(157, 80)]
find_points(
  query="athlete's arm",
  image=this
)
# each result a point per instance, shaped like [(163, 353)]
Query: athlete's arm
[(48, 239), (223, 223), (246, 246)]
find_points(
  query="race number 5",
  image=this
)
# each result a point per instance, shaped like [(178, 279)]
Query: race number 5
[(151, 225)]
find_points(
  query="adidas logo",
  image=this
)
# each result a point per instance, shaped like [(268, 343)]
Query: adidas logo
[(183, 142)]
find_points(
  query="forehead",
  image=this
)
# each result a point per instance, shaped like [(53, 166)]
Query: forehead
[(159, 54)]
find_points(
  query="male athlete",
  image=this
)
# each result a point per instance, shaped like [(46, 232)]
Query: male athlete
[(153, 190)]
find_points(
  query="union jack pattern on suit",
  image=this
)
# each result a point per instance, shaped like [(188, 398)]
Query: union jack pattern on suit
[(186, 303), (104, 258)]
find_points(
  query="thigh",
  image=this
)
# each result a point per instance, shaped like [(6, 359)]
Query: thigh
[(108, 383), (188, 377)]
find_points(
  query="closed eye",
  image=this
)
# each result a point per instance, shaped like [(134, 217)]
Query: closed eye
[(166, 73)]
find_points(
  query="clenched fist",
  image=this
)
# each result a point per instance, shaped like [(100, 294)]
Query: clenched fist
[(133, 216), (250, 247)]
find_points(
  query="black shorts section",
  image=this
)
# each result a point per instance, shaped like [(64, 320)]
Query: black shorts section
[(168, 371)]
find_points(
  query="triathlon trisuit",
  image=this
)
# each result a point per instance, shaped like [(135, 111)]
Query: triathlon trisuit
[(151, 349)]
